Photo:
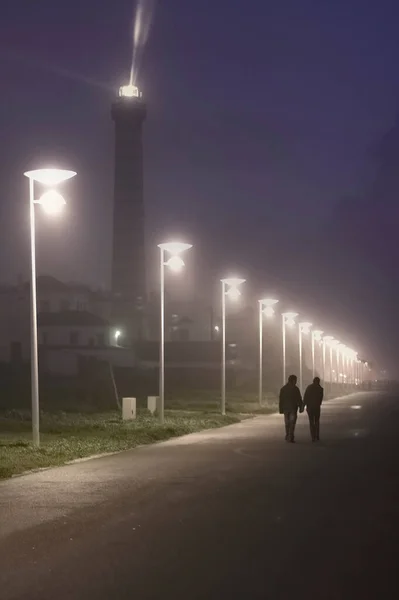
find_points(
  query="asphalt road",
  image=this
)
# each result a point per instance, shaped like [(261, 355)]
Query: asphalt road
[(235, 513)]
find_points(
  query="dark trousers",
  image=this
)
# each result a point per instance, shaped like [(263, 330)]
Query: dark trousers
[(290, 422), (314, 422)]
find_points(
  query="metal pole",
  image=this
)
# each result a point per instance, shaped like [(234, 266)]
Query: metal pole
[(313, 356), (223, 399), (162, 340), (324, 362), (33, 315), (300, 358), (284, 366), (338, 367), (260, 354), (331, 370)]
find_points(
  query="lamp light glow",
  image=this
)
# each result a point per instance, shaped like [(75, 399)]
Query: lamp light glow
[(305, 327), (289, 318), (233, 283), (52, 202), (269, 311), (268, 304), (317, 335), (175, 263)]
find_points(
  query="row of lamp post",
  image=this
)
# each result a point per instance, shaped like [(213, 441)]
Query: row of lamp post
[(170, 256)]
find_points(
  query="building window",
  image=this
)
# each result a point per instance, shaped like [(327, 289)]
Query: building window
[(74, 338)]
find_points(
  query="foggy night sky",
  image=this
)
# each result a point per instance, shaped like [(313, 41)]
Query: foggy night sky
[(261, 116)]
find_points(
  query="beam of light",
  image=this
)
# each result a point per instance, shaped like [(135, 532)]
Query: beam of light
[(141, 30), (27, 61)]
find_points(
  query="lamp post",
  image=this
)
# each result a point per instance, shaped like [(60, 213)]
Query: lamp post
[(340, 359), (288, 318), (52, 202), (230, 288), (303, 329), (328, 340), (316, 337), (266, 308), (175, 263)]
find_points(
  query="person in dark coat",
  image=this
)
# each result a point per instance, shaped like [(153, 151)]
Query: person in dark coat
[(290, 401), (312, 400)]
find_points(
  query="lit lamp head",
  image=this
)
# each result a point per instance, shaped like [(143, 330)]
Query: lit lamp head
[(175, 261), (117, 335), (51, 201), (233, 285), (305, 327), (50, 177), (317, 335), (289, 318), (129, 91), (267, 305)]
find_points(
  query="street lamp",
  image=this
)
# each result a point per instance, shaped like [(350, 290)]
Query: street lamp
[(303, 329), (329, 341), (266, 308), (340, 355), (288, 319), (231, 289), (316, 337), (175, 263), (334, 345), (52, 202)]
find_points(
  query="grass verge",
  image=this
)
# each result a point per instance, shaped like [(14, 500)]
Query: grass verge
[(65, 437)]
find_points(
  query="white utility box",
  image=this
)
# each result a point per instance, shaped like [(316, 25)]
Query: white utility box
[(153, 404), (129, 411)]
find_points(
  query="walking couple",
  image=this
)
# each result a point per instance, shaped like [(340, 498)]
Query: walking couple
[(290, 402)]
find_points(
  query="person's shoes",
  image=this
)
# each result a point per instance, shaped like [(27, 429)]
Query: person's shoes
[(292, 441)]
